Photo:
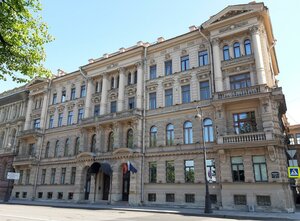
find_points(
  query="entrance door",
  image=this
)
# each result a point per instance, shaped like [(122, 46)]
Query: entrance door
[(87, 187), (126, 185), (106, 184)]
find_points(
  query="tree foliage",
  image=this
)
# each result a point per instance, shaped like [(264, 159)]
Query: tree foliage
[(22, 39)]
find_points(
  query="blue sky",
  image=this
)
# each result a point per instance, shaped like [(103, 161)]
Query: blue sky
[(88, 29)]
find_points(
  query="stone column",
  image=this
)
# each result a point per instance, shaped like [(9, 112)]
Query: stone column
[(28, 112), (88, 98), (103, 104), (117, 138), (217, 65), (258, 55), (121, 92), (44, 110), (83, 140), (139, 87)]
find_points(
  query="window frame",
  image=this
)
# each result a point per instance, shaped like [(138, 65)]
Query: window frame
[(82, 91), (152, 101), (170, 134), (240, 168), (226, 53), (185, 94), (185, 62), (247, 47), (168, 97), (237, 50), (73, 93), (153, 172), (168, 68), (187, 170), (260, 168), (170, 171), (204, 90), (208, 130), (187, 132), (152, 72), (203, 58), (153, 136), (70, 118)]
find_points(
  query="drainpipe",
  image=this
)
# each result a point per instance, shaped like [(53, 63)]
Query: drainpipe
[(82, 73), (270, 62), (42, 141), (211, 59), (144, 126)]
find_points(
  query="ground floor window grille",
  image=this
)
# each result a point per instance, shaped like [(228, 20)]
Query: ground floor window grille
[(17, 195), (151, 197), (240, 200), (263, 200), (190, 198), (60, 195), (49, 195), (40, 195), (70, 196), (170, 197), (24, 195)]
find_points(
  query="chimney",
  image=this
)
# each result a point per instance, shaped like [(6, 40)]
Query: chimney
[(122, 50), (192, 28), (160, 39), (139, 43)]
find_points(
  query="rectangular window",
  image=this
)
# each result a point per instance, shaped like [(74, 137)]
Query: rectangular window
[(204, 90), (152, 101), (170, 197), (52, 178), (73, 175), (237, 167), (240, 199), (27, 177), (131, 103), (63, 96), (168, 97), (63, 175), (152, 72), (24, 194), (152, 197), (43, 178), (170, 172), (73, 94), (185, 94), (54, 99), (70, 118), (263, 200), (244, 122), (203, 58), (40, 195), (82, 91), (298, 138), (190, 198), (97, 110), (292, 139), (17, 195), (113, 107), (152, 172), (260, 168), (20, 181), (60, 119), (49, 195), (168, 67), (37, 123), (211, 170), (70, 196), (51, 120), (185, 63), (240, 81), (31, 150), (80, 115), (189, 171)]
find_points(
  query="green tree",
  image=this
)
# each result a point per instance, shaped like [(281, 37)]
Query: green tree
[(22, 39)]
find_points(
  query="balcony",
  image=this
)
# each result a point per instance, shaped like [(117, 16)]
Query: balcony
[(242, 92), (238, 61), (25, 159), (122, 115), (35, 132), (242, 138)]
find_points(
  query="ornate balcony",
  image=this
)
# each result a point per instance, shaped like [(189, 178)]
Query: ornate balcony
[(247, 91), (242, 138), (35, 132), (25, 159)]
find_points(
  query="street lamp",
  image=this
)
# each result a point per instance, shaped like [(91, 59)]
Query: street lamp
[(207, 208)]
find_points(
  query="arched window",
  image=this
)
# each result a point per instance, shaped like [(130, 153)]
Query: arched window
[(236, 50), (130, 138), (135, 77), (170, 135), (56, 149), (12, 137), (153, 136), (77, 144), (129, 78), (47, 150), (112, 83), (66, 150), (93, 143), (111, 141), (247, 46), (188, 132), (208, 130), (226, 55)]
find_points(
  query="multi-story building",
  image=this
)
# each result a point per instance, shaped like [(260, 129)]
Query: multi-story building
[(12, 117), (294, 157), (122, 127)]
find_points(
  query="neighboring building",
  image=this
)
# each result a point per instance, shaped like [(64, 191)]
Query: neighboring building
[(134, 110), (294, 160), (12, 117)]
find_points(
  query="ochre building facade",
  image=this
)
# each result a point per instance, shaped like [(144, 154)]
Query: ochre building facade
[(123, 126)]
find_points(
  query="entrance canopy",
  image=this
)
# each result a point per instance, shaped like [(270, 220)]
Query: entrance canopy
[(103, 167)]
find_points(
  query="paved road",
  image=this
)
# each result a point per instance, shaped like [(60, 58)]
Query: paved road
[(42, 213)]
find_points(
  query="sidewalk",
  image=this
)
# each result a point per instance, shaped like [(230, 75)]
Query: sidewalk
[(184, 211)]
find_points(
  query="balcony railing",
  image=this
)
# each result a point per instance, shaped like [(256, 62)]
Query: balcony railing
[(241, 138), (241, 92), (34, 131)]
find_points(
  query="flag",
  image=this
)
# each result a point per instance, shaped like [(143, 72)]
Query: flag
[(131, 167), (125, 168)]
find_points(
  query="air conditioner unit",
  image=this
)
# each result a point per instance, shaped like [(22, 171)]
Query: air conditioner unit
[(251, 208)]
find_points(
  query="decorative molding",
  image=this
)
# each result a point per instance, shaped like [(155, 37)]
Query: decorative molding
[(184, 52), (60, 108), (131, 90), (152, 61), (202, 76), (168, 82), (113, 94), (51, 110), (152, 86), (167, 56), (112, 66), (232, 27), (70, 106), (96, 99), (80, 103), (186, 78)]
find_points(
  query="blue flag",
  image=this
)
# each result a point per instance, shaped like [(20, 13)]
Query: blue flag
[(131, 167)]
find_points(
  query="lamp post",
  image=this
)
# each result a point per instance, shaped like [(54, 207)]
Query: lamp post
[(207, 208)]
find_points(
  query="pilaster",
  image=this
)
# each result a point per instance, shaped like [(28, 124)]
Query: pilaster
[(217, 65)]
